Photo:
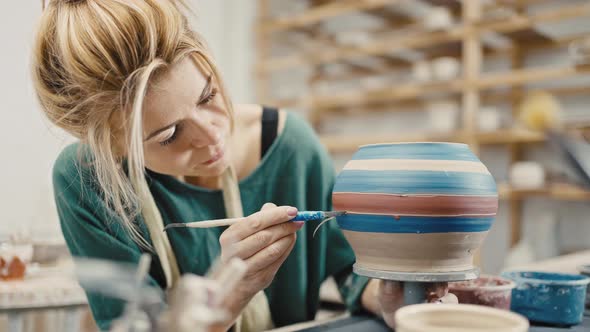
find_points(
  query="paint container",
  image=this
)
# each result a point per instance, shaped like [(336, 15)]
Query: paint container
[(491, 291), (550, 298), (585, 270), (457, 318)]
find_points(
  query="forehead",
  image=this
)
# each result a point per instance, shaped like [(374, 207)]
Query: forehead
[(175, 89)]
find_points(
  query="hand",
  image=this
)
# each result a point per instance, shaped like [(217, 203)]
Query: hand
[(439, 293), (263, 240), (390, 297)]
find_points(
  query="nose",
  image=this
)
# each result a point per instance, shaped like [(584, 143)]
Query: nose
[(204, 133)]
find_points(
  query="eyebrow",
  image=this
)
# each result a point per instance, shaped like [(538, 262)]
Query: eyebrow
[(204, 93)]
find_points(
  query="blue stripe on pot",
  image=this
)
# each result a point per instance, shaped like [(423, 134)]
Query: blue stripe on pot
[(426, 151), (415, 182), (413, 224)]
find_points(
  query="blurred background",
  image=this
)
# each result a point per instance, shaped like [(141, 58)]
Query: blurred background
[(494, 74)]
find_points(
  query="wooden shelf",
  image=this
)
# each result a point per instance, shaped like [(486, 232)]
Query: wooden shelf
[(510, 136), (413, 91), (350, 143), (378, 47), (415, 40), (524, 76), (322, 12), (521, 22), (394, 93), (557, 191)]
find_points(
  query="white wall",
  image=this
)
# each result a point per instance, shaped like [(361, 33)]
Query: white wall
[(228, 27), (29, 144)]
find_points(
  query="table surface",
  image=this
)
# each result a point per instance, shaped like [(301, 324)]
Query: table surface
[(42, 289), (566, 263), (373, 324)]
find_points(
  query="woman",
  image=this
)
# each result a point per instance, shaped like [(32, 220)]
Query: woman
[(161, 142)]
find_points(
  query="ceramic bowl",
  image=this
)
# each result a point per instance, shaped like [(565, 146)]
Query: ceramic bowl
[(457, 318), (491, 291)]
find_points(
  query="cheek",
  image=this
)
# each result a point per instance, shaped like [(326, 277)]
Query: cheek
[(223, 121), (167, 160), (220, 114)]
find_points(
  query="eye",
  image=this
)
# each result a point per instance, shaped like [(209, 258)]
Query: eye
[(210, 97), (172, 137)]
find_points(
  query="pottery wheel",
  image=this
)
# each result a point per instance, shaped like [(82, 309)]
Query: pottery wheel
[(416, 283), (417, 276)]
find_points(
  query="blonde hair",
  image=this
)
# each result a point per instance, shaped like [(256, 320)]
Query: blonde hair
[(92, 66)]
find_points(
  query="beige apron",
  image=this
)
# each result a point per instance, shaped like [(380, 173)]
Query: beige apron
[(256, 315)]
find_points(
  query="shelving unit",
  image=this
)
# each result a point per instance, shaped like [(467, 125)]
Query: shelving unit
[(557, 191), (476, 22)]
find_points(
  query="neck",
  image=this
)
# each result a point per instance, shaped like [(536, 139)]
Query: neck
[(210, 182)]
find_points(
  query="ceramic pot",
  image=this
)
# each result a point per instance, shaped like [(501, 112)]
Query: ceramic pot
[(442, 115), (585, 270), (549, 298), (489, 291), (446, 68), (415, 207), (457, 318)]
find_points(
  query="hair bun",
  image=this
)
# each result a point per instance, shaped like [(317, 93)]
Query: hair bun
[(47, 2)]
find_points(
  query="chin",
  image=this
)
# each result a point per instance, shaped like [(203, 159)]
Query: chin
[(209, 171)]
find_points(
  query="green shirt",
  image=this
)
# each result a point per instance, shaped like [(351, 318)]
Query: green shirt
[(295, 171)]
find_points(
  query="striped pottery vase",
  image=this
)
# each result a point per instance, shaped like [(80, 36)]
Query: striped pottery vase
[(415, 207)]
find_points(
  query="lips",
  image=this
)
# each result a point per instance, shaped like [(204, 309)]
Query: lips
[(215, 157)]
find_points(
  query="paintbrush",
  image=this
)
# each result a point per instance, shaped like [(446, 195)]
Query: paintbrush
[(301, 216)]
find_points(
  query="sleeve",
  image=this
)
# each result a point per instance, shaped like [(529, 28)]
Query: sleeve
[(82, 214), (339, 255)]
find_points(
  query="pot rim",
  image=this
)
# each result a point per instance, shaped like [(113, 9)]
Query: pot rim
[(496, 288), (517, 277), (520, 322), (408, 143)]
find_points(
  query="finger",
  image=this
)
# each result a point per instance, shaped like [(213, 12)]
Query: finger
[(265, 276), (436, 291), (267, 206), (276, 265), (267, 256), (389, 287), (261, 220), (262, 239), (449, 298)]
